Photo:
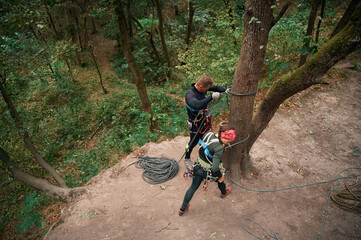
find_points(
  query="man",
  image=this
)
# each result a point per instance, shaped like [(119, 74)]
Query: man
[(197, 101)]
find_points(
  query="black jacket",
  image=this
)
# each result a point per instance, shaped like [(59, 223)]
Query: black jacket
[(197, 101)]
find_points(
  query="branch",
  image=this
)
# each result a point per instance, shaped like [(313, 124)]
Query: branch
[(309, 74), (281, 13)]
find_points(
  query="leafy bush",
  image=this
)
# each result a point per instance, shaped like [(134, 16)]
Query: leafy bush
[(30, 217)]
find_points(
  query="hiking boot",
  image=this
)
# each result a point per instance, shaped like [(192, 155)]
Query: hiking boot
[(180, 213), (188, 163), (228, 191)]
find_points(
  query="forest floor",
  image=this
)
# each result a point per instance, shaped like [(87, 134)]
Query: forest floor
[(310, 139)]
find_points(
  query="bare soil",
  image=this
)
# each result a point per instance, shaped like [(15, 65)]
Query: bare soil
[(311, 141)]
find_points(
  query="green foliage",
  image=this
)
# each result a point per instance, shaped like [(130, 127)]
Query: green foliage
[(215, 53), (30, 217)]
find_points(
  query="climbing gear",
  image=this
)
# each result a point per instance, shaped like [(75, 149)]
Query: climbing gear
[(203, 121), (243, 94), (228, 191), (205, 142), (156, 169), (180, 213), (188, 174), (229, 135)]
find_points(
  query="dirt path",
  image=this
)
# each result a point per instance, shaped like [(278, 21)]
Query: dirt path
[(309, 143)]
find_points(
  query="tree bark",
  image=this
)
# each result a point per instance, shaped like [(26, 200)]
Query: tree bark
[(15, 115), (345, 18), (281, 13), (309, 74), (51, 20), (320, 20), (161, 32), (257, 24), (190, 22), (69, 68), (52, 191), (311, 24), (133, 66), (97, 67)]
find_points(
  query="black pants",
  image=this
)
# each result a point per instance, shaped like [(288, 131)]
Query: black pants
[(198, 175), (195, 135)]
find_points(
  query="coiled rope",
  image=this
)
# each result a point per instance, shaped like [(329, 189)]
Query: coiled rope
[(156, 169)]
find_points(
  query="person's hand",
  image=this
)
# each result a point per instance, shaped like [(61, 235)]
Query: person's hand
[(216, 95), (221, 179)]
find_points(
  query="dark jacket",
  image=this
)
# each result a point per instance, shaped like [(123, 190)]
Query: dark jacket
[(197, 101)]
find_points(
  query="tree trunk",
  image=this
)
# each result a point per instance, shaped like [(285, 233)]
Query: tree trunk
[(54, 192), (69, 68), (246, 80), (346, 17), (320, 20), (51, 20), (161, 32), (78, 32), (190, 22), (133, 66), (97, 67), (311, 24), (309, 74), (94, 29), (14, 114)]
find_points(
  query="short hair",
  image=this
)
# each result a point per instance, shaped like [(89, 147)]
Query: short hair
[(205, 81)]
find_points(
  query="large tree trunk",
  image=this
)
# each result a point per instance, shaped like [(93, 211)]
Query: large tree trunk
[(15, 115), (133, 66), (54, 192), (257, 24), (190, 22), (311, 24), (161, 32), (309, 74), (345, 18)]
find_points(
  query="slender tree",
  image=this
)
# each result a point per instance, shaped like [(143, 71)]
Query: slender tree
[(162, 38), (346, 17), (133, 66), (20, 127), (323, 4), (310, 27), (191, 11), (55, 192)]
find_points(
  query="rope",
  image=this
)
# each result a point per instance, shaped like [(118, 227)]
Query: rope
[(231, 145), (243, 94), (156, 170), (348, 199), (338, 178), (356, 152), (276, 236)]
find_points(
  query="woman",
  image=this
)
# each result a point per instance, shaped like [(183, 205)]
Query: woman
[(208, 165)]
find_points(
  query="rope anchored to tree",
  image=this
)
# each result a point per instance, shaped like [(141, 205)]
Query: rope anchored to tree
[(243, 94)]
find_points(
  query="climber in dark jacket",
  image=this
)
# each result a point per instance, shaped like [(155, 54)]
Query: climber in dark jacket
[(209, 165), (197, 101)]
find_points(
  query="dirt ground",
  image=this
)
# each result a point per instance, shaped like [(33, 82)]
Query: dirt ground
[(310, 139)]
